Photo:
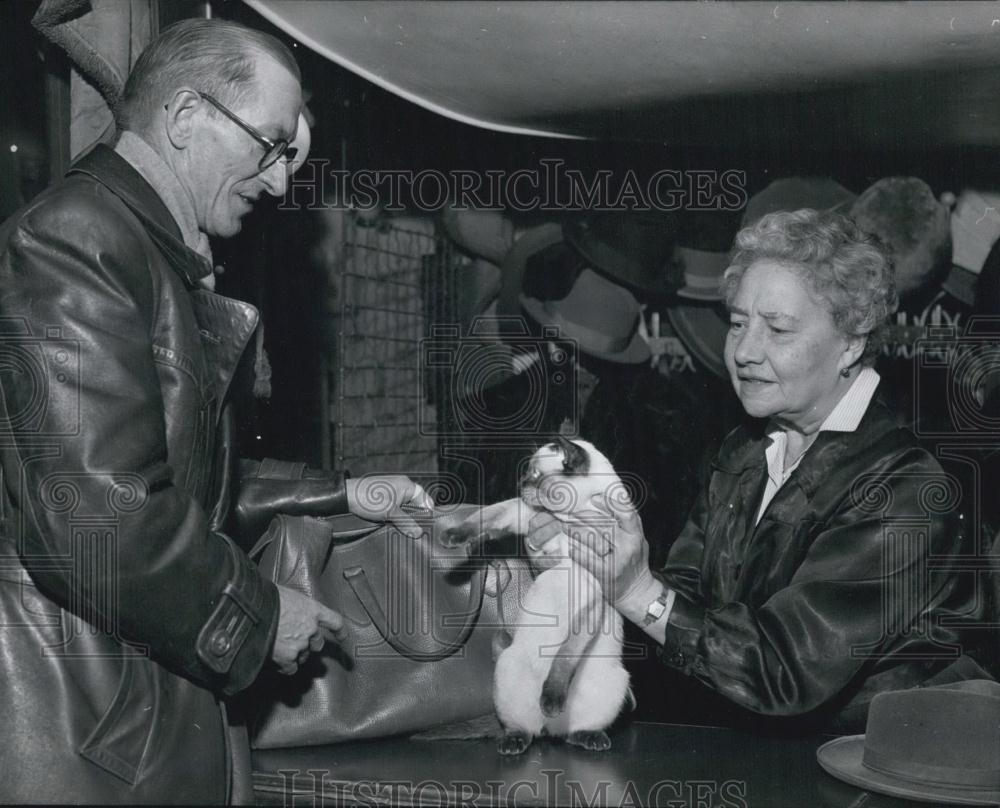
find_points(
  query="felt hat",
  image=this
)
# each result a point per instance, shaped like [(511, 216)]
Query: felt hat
[(702, 273), (632, 248), (601, 317), (938, 744), (913, 225), (704, 244), (795, 193), (533, 244)]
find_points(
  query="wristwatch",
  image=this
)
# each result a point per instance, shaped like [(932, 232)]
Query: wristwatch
[(655, 610)]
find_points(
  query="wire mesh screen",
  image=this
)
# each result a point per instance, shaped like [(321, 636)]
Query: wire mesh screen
[(394, 281)]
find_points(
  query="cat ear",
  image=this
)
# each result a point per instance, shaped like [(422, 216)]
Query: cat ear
[(575, 458)]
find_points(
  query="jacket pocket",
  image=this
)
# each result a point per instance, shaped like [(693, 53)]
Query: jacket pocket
[(118, 742), (190, 406)]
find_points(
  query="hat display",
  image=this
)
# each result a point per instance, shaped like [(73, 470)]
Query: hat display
[(600, 316), (936, 744), (632, 248), (916, 228), (795, 193)]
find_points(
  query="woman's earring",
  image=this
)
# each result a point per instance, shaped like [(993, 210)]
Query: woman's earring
[(845, 372)]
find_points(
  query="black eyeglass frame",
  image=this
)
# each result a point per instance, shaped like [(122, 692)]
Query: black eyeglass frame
[(274, 150)]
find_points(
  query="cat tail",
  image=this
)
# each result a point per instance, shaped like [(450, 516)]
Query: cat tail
[(483, 726)]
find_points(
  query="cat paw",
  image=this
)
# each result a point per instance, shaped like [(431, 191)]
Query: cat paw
[(553, 700), (459, 535), (514, 742), (594, 740), (502, 640)]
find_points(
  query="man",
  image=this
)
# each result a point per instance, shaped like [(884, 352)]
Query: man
[(127, 612)]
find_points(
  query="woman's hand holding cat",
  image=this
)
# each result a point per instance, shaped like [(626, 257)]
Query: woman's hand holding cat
[(389, 498), (608, 542)]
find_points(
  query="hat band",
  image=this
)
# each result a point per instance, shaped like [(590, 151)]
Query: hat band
[(593, 339), (708, 283), (928, 775)]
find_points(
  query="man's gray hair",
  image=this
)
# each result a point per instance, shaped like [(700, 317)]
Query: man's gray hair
[(211, 56)]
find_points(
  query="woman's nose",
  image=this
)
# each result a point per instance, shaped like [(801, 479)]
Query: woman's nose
[(749, 347)]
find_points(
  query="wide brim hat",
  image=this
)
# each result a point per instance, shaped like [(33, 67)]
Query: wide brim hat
[(601, 317), (631, 248), (936, 744), (702, 327)]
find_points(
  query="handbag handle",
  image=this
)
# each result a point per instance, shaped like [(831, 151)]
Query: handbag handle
[(359, 583)]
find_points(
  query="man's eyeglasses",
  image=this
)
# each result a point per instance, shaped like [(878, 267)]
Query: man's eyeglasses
[(273, 149)]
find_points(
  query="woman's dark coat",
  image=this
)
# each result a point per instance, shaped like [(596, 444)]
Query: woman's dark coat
[(842, 590)]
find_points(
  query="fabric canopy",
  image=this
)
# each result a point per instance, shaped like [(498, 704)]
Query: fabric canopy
[(656, 71)]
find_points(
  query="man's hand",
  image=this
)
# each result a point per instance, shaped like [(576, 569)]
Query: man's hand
[(381, 498), (304, 625), (608, 541)]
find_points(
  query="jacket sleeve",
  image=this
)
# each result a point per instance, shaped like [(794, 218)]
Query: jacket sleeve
[(103, 530), (269, 487), (862, 585)]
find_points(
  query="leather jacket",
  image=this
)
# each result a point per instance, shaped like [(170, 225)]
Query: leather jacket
[(840, 592), (127, 610)]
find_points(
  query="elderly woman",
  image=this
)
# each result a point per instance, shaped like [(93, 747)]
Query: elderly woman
[(801, 584)]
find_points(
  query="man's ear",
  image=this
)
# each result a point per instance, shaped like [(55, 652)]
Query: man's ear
[(180, 112)]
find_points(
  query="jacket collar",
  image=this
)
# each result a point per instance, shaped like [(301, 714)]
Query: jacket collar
[(744, 449), (115, 174)]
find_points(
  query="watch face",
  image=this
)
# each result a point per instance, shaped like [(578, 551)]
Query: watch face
[(655, 610)]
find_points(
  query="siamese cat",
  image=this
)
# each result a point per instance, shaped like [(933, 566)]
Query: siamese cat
[(559, 670)]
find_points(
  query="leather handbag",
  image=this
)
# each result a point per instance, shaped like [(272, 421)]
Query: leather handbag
[(422, 619)]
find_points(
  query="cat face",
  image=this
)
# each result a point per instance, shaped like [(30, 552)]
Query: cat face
[(562, 476)]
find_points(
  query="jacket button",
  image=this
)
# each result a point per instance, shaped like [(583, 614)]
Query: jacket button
[(220, 643), (677, 659)]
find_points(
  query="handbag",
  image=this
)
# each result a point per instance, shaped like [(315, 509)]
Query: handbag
[(422, 619)]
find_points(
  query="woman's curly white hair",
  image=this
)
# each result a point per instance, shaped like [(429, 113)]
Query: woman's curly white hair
[(844, 266)]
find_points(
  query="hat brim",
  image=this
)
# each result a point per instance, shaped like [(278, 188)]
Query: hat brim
[(531, 242), (842, 757), (702, 295), (635, 352), (702, 329)]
